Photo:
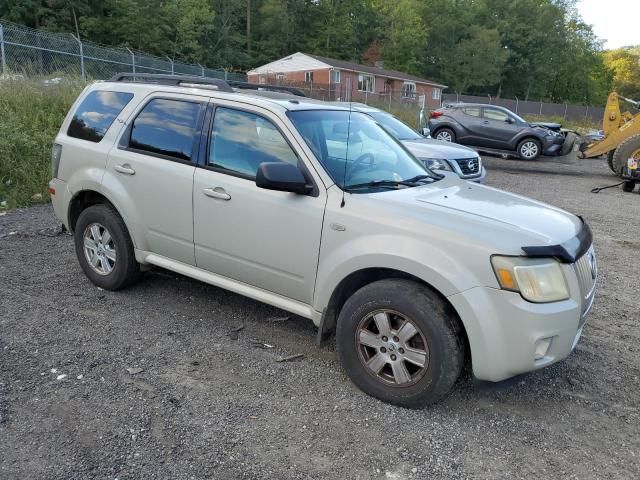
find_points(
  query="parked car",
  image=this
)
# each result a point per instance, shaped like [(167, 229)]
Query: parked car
[(436, 154), (497, 129), (415, 272)]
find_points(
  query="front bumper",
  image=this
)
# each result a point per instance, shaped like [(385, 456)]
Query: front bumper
[(552, 145), (504, 329)]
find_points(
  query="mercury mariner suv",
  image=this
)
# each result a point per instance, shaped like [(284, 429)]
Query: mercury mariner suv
[(283, 201)]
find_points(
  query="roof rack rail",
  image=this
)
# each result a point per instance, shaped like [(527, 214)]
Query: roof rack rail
[(177, 80), (271, 88)]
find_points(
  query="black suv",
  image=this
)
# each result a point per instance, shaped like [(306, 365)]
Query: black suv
[(495, 128)]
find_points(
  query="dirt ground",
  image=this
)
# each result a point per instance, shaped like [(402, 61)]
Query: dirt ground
[(208, 404)]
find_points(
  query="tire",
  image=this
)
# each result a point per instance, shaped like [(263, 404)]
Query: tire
[(630, 148), (436, 335), (569, 141), (529, 149), (610, 161), (445, 134), (115, 265)]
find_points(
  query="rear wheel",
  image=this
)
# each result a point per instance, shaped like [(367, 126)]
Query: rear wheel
[(529, 149), (627, 150), (398, 342), (445, 134), (104, 248)]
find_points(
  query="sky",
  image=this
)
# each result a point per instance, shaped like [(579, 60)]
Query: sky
[(615, 21)]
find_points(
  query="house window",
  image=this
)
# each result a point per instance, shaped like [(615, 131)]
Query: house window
[(366, 83), (335, 76), (435, 94), (280, 77), (308, 77), (262, 80), (409, 90)]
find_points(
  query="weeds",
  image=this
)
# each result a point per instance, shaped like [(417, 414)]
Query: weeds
[(31, 113)]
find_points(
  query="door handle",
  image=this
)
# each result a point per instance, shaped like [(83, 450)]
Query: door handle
[(485, 122), (217, 192), (125, 169)]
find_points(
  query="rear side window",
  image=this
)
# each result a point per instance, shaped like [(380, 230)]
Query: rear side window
[(96, 113), (166, 127), (472, 111)]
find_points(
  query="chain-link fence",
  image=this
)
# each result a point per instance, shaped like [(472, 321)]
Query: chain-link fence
[(583, 114), (28, 52)]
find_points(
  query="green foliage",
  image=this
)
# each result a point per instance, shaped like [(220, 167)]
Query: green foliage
[(532, 49), (31, 117)]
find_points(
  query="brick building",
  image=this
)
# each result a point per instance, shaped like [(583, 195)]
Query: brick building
[(342, 80)]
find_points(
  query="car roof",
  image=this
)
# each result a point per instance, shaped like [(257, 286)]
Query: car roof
[(481, 105), (263, 98)]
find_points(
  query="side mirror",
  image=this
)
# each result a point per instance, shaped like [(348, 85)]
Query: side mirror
[(510, 120), (282, 177), (426, 132)]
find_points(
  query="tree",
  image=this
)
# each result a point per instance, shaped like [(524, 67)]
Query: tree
[(625, 66)]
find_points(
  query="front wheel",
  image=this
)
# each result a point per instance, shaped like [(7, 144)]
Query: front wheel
[(104, 248), (398, 342), (529, 149)]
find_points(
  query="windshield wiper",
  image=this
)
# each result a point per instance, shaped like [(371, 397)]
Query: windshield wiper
[(412, 182)]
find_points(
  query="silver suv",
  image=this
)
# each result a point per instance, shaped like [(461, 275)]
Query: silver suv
[(317, 210)]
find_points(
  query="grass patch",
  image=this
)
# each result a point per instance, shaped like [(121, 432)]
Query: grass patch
[(30, 116)]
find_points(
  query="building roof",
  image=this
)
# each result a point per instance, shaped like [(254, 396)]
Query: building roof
[(305, 62)]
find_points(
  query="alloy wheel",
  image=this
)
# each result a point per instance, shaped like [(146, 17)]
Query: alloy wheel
[(392, 348), (529, 149), (444, 136), (99, 249)]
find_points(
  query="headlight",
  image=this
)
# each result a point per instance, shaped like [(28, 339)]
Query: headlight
[(435, 163), (538, 280)]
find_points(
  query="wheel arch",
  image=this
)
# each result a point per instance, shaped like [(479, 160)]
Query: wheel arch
[(365, 276)]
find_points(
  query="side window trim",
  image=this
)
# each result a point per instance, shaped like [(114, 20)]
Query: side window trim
[(206, 165), (125, 138)]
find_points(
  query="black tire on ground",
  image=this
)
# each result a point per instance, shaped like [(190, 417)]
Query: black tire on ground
[(569, 141), (125, 270), (610, 161), (628, 186), (623, 153), (525, 145), (447, 133), (435, 323)]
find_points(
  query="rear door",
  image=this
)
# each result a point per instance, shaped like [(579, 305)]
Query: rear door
[(151, 171), (471, 119), (498, 128), (264, 238)]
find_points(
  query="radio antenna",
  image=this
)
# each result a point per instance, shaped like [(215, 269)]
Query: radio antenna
[(346, 155)]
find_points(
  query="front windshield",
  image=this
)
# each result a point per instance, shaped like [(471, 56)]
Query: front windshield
[(394, 126), (372, 155)]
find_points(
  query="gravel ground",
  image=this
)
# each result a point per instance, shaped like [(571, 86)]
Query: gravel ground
[(208, 404)]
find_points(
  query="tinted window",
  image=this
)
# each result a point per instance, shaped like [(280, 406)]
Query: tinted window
[(96, 113), (241, 141), (493, 114), (166, 127), (472, 111)]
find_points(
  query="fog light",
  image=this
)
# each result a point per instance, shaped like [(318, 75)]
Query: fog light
[(542, 347)]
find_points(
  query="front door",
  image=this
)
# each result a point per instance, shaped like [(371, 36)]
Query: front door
[(498, 127), (153, 168), (263, 238)]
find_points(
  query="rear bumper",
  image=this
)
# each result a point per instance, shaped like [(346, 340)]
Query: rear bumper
[(60, 200), (504, 329)]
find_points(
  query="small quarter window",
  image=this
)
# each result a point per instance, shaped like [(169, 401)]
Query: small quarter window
[(96, 113), (166, 127), (241, 141)]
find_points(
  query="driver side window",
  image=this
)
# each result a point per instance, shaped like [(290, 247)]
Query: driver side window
[(496, 115), (241, 141)]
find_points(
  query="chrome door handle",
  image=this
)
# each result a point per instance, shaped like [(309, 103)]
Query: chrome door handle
[(125, 169), (217, 192)]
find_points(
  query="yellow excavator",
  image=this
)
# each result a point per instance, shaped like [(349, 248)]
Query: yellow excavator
[(621, 140)]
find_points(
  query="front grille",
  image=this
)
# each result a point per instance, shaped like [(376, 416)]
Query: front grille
[(468, 166), (587, 270)]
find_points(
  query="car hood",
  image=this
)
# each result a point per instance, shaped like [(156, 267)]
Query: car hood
[(431, 148), (491, 216)]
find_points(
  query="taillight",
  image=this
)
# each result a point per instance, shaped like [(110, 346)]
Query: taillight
[(56, 153), (435, 114)]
